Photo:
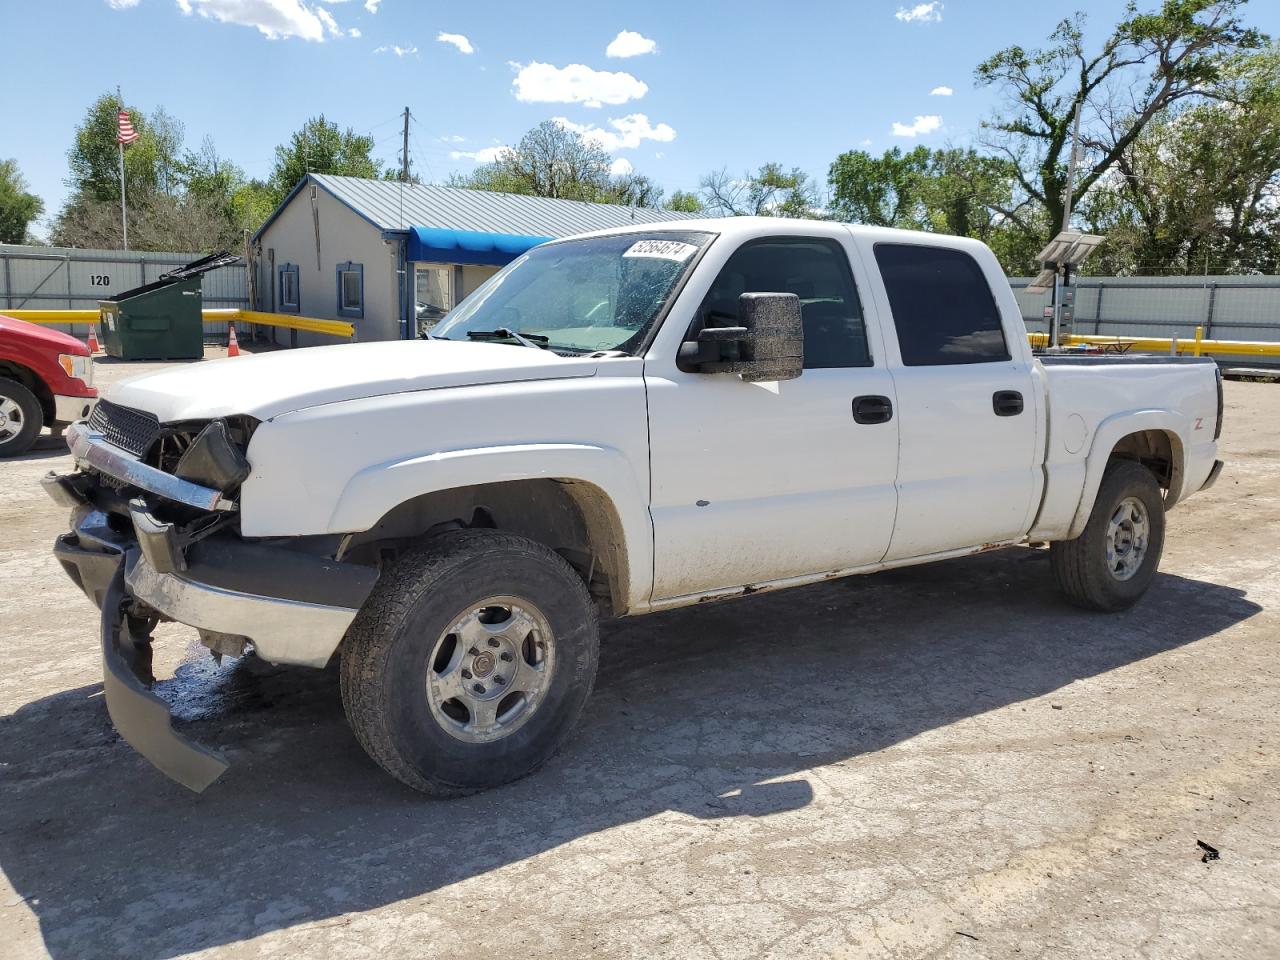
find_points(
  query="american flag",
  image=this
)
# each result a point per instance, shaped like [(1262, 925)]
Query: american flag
[(126, 133)]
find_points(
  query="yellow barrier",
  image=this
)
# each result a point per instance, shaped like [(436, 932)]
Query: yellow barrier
[(1196, 347), (334, 328)]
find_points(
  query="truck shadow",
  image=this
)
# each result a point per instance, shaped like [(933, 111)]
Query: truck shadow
[(713, 712)]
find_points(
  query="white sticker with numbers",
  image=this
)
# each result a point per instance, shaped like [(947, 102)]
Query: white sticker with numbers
[(675, 250)]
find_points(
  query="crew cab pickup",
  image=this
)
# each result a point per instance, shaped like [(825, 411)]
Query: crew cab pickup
[(614, 424), (46, 379)]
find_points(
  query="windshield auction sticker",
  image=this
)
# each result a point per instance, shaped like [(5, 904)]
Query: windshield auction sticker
[(662, 250)]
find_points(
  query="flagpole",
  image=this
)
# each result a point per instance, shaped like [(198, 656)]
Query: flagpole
[(124, 212)]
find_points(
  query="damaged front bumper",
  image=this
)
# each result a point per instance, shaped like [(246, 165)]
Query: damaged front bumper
[(293, 605)]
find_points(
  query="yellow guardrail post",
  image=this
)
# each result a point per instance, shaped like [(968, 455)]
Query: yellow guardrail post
[(1199, 339)]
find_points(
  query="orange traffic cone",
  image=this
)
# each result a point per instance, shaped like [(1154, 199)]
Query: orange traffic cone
[(93, 339), (233, 345)]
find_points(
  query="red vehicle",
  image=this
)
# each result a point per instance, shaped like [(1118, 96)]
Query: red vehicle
[(46, 380)]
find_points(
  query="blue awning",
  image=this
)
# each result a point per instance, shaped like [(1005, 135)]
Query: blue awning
[(468, 246)]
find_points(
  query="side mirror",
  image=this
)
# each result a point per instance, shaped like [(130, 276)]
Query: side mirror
[(768, 345)]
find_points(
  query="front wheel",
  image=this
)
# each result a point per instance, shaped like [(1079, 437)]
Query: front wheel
[(1112, 563), (470, 662), (20, 418)]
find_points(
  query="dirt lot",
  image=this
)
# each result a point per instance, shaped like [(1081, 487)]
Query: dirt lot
[(945, 761)]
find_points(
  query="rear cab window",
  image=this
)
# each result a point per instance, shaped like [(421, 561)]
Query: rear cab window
[(943, 308)]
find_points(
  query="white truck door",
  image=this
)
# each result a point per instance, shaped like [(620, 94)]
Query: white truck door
[(761, 481), (968, 467)]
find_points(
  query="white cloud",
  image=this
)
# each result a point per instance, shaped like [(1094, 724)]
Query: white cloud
[(330, 24), (372, 5), (484, 155), (122, 4), (628, 132), (458, 40), (395, 48), (921, 13), (628, 43), (353, 32), (576, 83), (922, 125), (453, 138), (274, 19), (941, 92), (620, 167)]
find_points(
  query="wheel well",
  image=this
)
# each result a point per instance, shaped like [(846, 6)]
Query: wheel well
[(574, 518), (27, 377), (1158, 451)]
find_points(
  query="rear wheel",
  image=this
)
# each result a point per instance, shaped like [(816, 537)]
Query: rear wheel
[(20, 418), (1112, 563), (470, 662)]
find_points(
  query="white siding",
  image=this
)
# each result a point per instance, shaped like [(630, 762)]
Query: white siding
[(343, 236)]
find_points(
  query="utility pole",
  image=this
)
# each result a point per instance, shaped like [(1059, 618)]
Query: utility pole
[(1062, 279), (1071, 170), (404, 156)]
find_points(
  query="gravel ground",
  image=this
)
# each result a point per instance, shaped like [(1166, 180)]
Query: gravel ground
[(945, 761)]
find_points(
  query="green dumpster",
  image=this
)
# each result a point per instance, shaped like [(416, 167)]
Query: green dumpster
[(161, 320)]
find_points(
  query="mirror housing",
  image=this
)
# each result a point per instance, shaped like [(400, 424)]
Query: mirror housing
[(768, 346)]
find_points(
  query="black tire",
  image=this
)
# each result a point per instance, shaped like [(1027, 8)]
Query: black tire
[(28, 408), (388, 649), (1080, 566)]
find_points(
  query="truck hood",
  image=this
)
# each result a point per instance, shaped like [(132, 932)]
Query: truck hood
[(269, 384), (37, 336)]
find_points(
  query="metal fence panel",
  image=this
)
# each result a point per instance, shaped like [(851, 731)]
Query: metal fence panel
[(70, 278)]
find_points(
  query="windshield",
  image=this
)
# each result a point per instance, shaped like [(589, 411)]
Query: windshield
[(579, 296)]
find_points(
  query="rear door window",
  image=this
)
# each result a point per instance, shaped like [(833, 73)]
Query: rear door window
[(942, 306)]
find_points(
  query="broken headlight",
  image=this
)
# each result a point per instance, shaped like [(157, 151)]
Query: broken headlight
[(215, 458)]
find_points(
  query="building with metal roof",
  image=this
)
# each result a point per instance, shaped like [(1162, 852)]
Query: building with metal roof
[(392, 257)]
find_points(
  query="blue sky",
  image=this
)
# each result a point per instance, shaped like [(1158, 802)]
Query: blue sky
[(703, 85)]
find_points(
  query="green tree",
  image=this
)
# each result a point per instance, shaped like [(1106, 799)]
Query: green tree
[(552, 160), (682, 201), (1148, 63), (769, 192), (956, 191), (882, 191), (321, 147), (1199, 190), (151, 162), (18, 205)]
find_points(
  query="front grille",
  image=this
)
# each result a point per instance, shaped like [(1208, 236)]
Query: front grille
[(130, 430)]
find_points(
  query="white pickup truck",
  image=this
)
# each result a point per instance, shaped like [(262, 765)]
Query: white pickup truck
[(615, 424)]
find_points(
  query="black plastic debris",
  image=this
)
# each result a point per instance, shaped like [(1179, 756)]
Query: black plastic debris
[(1210, 853)]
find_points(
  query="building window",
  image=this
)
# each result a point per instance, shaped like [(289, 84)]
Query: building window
[(350, 289), (289, 292)]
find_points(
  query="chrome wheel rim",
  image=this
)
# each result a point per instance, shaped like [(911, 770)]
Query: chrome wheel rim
[(11, 419), (1128, 535), (490, 670)]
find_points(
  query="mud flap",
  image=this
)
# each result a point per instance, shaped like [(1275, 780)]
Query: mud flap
[(139, 716)]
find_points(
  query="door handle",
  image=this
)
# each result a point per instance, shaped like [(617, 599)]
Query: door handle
[(872, 409), (1006, 403)]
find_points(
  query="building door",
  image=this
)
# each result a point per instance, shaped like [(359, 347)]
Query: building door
[(433, 293)]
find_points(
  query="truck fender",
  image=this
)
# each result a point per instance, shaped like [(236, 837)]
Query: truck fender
[(376, 490), (1109, 433)]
